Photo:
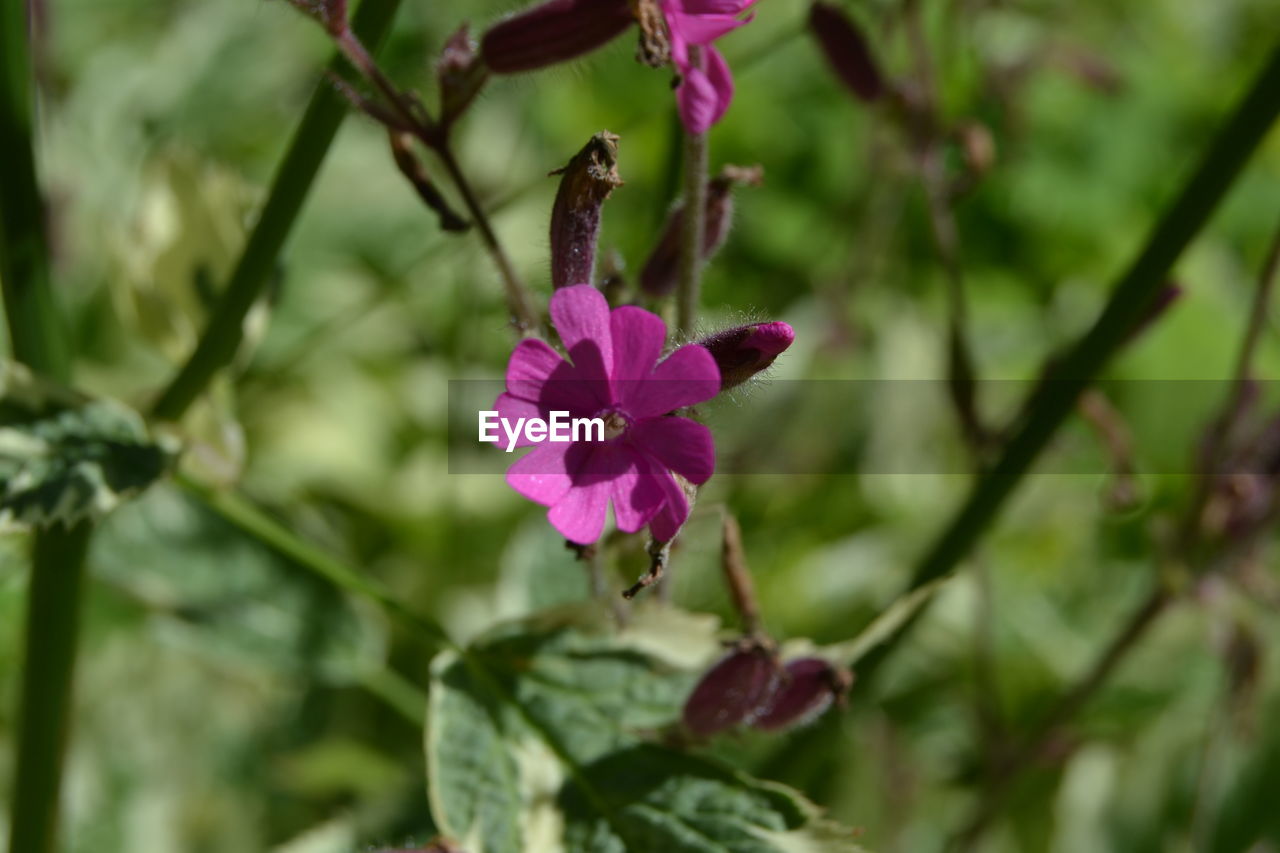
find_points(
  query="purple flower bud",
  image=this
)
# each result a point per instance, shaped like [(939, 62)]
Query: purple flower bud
[(732, 690), (553, 32), (744, 351), (460, 73), (662, 269), (586, 182), (846, 51), (807, 688)]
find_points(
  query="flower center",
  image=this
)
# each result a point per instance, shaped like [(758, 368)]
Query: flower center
[(615, 424)]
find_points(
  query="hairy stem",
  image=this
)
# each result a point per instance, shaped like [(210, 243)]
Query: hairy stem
[(37, 337), (1131, 299), (289, 190), (688, 293)]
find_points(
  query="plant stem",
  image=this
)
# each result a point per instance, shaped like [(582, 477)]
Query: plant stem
[(289, 189), (523, 317), (1131, 299), (1034, 745), (280, 539), (689, 289), (37, 337)]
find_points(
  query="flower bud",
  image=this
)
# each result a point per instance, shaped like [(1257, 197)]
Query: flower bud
[(553, 32), (662, 269), (807, 688), (744, 351), (846, 51), (586, 182), (460, 73), (732, 690)]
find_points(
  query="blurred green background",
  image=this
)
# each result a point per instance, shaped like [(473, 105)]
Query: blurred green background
[(227, 701)]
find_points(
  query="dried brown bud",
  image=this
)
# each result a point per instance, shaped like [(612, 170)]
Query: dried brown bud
[(654, 48), (461, 74), (732, 690), (553, 32), (411, 167), (587, 180), (977, 146), (662, 269), (846, 51), (807, 688)]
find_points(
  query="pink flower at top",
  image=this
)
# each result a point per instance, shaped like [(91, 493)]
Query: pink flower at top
[(613, 372), (704, 92)]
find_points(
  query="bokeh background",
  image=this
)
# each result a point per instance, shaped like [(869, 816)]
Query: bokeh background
[(228, 701)]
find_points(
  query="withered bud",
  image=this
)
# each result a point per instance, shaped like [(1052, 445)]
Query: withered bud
[(654, 48), (331, 14), (411, 167), (744, 351), (662, 269), (733, 690), (460, 73), (846, 51), (553, 32), (586, 181), (807, 688)]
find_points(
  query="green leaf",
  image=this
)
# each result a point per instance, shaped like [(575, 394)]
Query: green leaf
[(546, 735), (65, 457)]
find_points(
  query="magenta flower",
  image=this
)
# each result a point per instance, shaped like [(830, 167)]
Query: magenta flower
[(704, 92), (613, 373)]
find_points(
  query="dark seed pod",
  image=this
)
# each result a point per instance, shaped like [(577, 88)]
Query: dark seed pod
[(846, 51), (585, 183), (732, 690), (553, 32), (744, 351), (662, 269), (807, 688)]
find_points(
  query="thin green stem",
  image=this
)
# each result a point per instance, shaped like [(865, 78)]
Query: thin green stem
[(689, 289), (244, 515), (1055, 398), (289, 190), (37, 337)]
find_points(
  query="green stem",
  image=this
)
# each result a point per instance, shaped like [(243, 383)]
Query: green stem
[(1131, 299), (289, 190), (280, 539), (53, 618), (688, 294), (37, 337)]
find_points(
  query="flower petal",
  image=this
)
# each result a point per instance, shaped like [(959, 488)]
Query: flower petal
[(696, 98), (702, 28), (721, 81), (532, 362), (544, 475), (687, 376), (579, 515), (638, 338), (581, 316), (637, 494), (680, 444), (511, 409), (667, 521)]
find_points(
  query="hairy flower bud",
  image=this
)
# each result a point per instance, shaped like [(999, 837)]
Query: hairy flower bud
[(662, 269), (846, 51), (744, 351), (807, 688), (586, 182), (460, 73), (732, 690), (553, 32)]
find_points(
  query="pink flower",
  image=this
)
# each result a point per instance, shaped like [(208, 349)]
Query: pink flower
[(704, 92), (612, 373)]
